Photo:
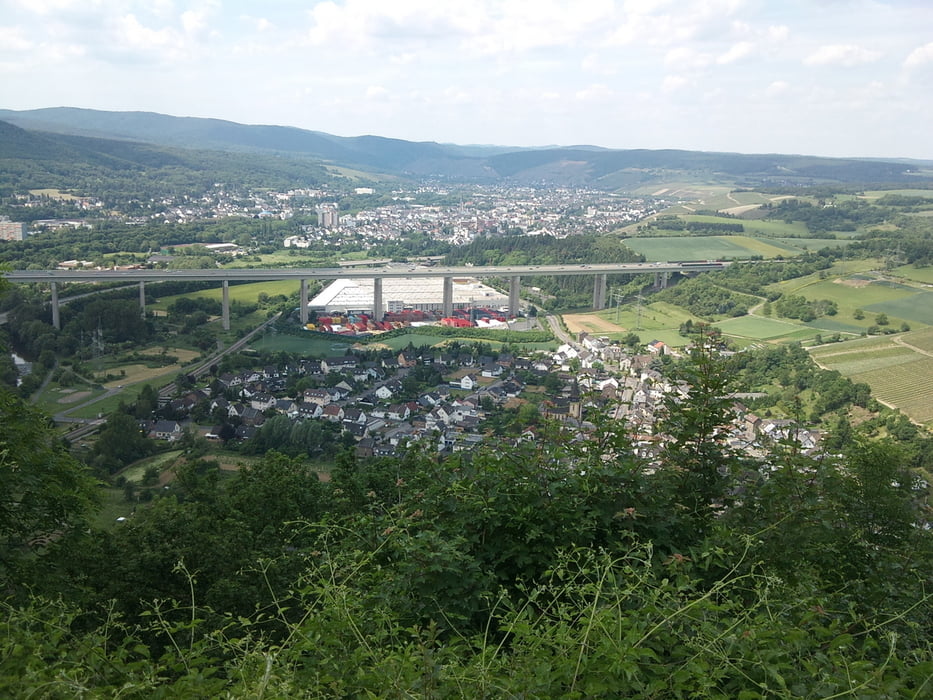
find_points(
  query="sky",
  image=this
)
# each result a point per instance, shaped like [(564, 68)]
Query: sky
[(820, 77)]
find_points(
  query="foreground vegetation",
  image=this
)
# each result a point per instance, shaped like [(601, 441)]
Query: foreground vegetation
[(559, 568)]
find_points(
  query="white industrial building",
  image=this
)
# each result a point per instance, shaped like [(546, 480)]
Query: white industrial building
[(419, 293)]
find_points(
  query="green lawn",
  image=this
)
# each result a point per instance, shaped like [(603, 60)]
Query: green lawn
[(318, 346), (135, 472), (310, 345), (112, 505), (417, 339)]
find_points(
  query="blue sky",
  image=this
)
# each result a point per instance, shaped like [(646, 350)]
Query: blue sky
[(824, 77)]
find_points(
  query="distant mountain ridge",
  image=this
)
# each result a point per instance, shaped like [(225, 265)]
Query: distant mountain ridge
[(579, 165)]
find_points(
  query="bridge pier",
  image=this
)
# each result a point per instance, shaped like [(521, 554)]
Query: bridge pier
[(226, 305), (599, 292), (142, 299), (514, 299), (303, 303), (377, 299), (448, 297), (56, 316)]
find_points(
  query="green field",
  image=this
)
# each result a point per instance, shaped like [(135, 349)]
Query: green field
[(854, 347), (834, 324), (760, 328), (851, 364), (845, 295), (656, 321), (877, 194), (916, 308), (318, 346), (920, 274), (753, 226), (310, 345), (861, 290), (814, 243), (666, 248), (246, 293)]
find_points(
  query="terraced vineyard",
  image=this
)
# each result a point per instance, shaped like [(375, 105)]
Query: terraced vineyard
[(903, 386), (898, 368)]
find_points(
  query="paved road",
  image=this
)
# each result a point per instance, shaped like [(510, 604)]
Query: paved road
[(397, 271), (559, 332)]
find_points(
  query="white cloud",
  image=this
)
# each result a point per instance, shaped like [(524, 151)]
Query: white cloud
[(735, 53), (673, 83), (777, 88), (847, 55), (377, 92), (403, 59), (133, 34), (193, 21), (14, 39), (48, 7), (367, 23), (686, 58), (595, 63), (594, 93), (920, 56), (778, 33)]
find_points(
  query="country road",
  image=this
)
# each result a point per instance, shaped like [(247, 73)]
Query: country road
[(558, 330)]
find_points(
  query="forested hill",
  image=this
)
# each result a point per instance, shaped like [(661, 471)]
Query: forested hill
[(578, 165), (37, 160)]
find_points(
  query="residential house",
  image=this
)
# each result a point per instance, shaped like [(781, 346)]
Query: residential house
[(168, 430), (333, 412)]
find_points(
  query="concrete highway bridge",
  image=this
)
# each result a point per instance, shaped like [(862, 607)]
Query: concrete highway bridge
[(598, 271)]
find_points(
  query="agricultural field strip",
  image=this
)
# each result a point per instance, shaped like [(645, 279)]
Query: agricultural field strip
[(922, 339), (914, 348), (753, 326), (917, 307), (874, 362)]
